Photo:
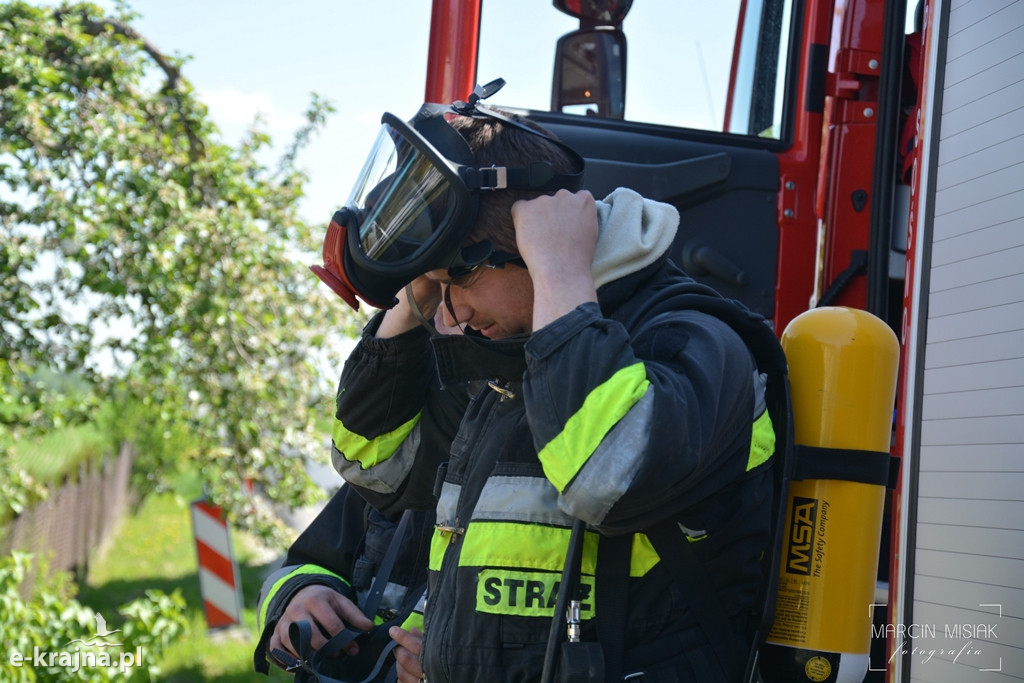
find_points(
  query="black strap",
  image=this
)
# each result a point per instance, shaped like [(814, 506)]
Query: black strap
[(866, 467), (417, 313), (380, 663), (387, 564), (309, 663), (673, 546), (612, 595)]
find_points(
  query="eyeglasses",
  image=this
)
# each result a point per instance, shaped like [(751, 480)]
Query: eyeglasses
[(465, 276)]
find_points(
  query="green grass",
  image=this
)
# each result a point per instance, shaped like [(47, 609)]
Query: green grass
[(154, 549)]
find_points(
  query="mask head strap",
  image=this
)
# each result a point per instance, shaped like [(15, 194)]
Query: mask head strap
[(539, 175)]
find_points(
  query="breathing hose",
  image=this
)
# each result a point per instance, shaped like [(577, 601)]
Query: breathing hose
[(570, 579)]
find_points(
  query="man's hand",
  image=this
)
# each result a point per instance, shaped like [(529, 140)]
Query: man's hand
[(323, 606), (427, 297), (407, 654), (557, 236)]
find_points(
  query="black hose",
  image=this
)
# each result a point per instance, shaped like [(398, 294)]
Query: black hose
[(570, 579)]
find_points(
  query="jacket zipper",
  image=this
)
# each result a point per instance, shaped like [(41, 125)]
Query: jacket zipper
[(450, 559)]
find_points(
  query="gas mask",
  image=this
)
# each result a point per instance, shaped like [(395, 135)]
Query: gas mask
[(416, 201)]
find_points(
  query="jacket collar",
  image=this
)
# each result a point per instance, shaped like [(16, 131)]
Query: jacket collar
[(462, 358)]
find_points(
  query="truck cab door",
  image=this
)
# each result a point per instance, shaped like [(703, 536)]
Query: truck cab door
[(687, 103)]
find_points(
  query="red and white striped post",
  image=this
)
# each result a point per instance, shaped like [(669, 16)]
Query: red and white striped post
[(219, 581)]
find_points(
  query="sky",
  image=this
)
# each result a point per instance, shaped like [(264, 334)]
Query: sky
[(266, 57), (249, 57)]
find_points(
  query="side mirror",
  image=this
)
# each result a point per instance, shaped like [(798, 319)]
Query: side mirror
[(590, 73)]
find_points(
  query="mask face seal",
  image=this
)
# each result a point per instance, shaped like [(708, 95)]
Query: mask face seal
[(416, 200)]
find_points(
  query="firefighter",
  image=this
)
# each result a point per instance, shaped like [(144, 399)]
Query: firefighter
[(604, 392), (327, 577)]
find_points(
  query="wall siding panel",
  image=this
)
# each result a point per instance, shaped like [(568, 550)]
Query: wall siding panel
[(969, 553)]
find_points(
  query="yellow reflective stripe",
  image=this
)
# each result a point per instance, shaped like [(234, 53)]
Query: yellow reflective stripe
[(414, 620), (608, 403), (762, 441), (527, 594), (369, 452), (532, 546), (522, 546), (643, 556), (302, 570), (439, 542)]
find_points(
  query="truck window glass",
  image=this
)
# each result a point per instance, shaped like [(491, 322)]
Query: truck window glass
[(679, 60)]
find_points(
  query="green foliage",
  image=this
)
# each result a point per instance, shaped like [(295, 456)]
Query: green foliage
[(18, 490), (55, 456), (49, 620), (162, 267), (163, 448), (42, 437)]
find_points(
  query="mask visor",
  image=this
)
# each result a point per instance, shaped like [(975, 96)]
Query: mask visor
[(404, 201)]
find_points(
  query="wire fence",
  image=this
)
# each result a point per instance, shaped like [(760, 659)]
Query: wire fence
[(76, 517)]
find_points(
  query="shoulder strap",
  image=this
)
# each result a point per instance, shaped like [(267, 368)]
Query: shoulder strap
[(387, 565), (611, 588), (673, 547)]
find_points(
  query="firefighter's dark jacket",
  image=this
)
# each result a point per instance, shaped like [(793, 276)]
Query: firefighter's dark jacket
[(623, 413), (342, 548)]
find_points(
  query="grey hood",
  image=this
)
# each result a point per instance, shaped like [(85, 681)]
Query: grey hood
[(633, 233)]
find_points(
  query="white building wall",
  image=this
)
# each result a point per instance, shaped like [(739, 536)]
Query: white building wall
[(968, 559)]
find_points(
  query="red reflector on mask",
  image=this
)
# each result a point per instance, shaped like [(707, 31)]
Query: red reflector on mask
[(332, 273)]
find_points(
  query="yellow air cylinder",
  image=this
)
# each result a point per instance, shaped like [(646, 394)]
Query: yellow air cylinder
[(843, 368)]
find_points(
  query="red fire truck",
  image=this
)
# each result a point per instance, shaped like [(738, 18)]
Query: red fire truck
[(829, 153)]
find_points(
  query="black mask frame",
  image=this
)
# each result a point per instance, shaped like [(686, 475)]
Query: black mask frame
[(351, 271)]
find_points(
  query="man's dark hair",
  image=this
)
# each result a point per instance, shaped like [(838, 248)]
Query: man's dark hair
[(495, 143)]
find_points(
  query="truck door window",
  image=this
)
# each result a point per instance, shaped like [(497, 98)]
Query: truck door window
[(682, 59)]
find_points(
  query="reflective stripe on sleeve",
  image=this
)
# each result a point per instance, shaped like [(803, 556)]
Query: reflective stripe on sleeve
[(762, 441), (414, 620), (302, 570), (371, 452), (379, 464), (610, 470), (762, 435), (608, 403)]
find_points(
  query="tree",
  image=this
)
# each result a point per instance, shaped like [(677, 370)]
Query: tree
[(166, 268)]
